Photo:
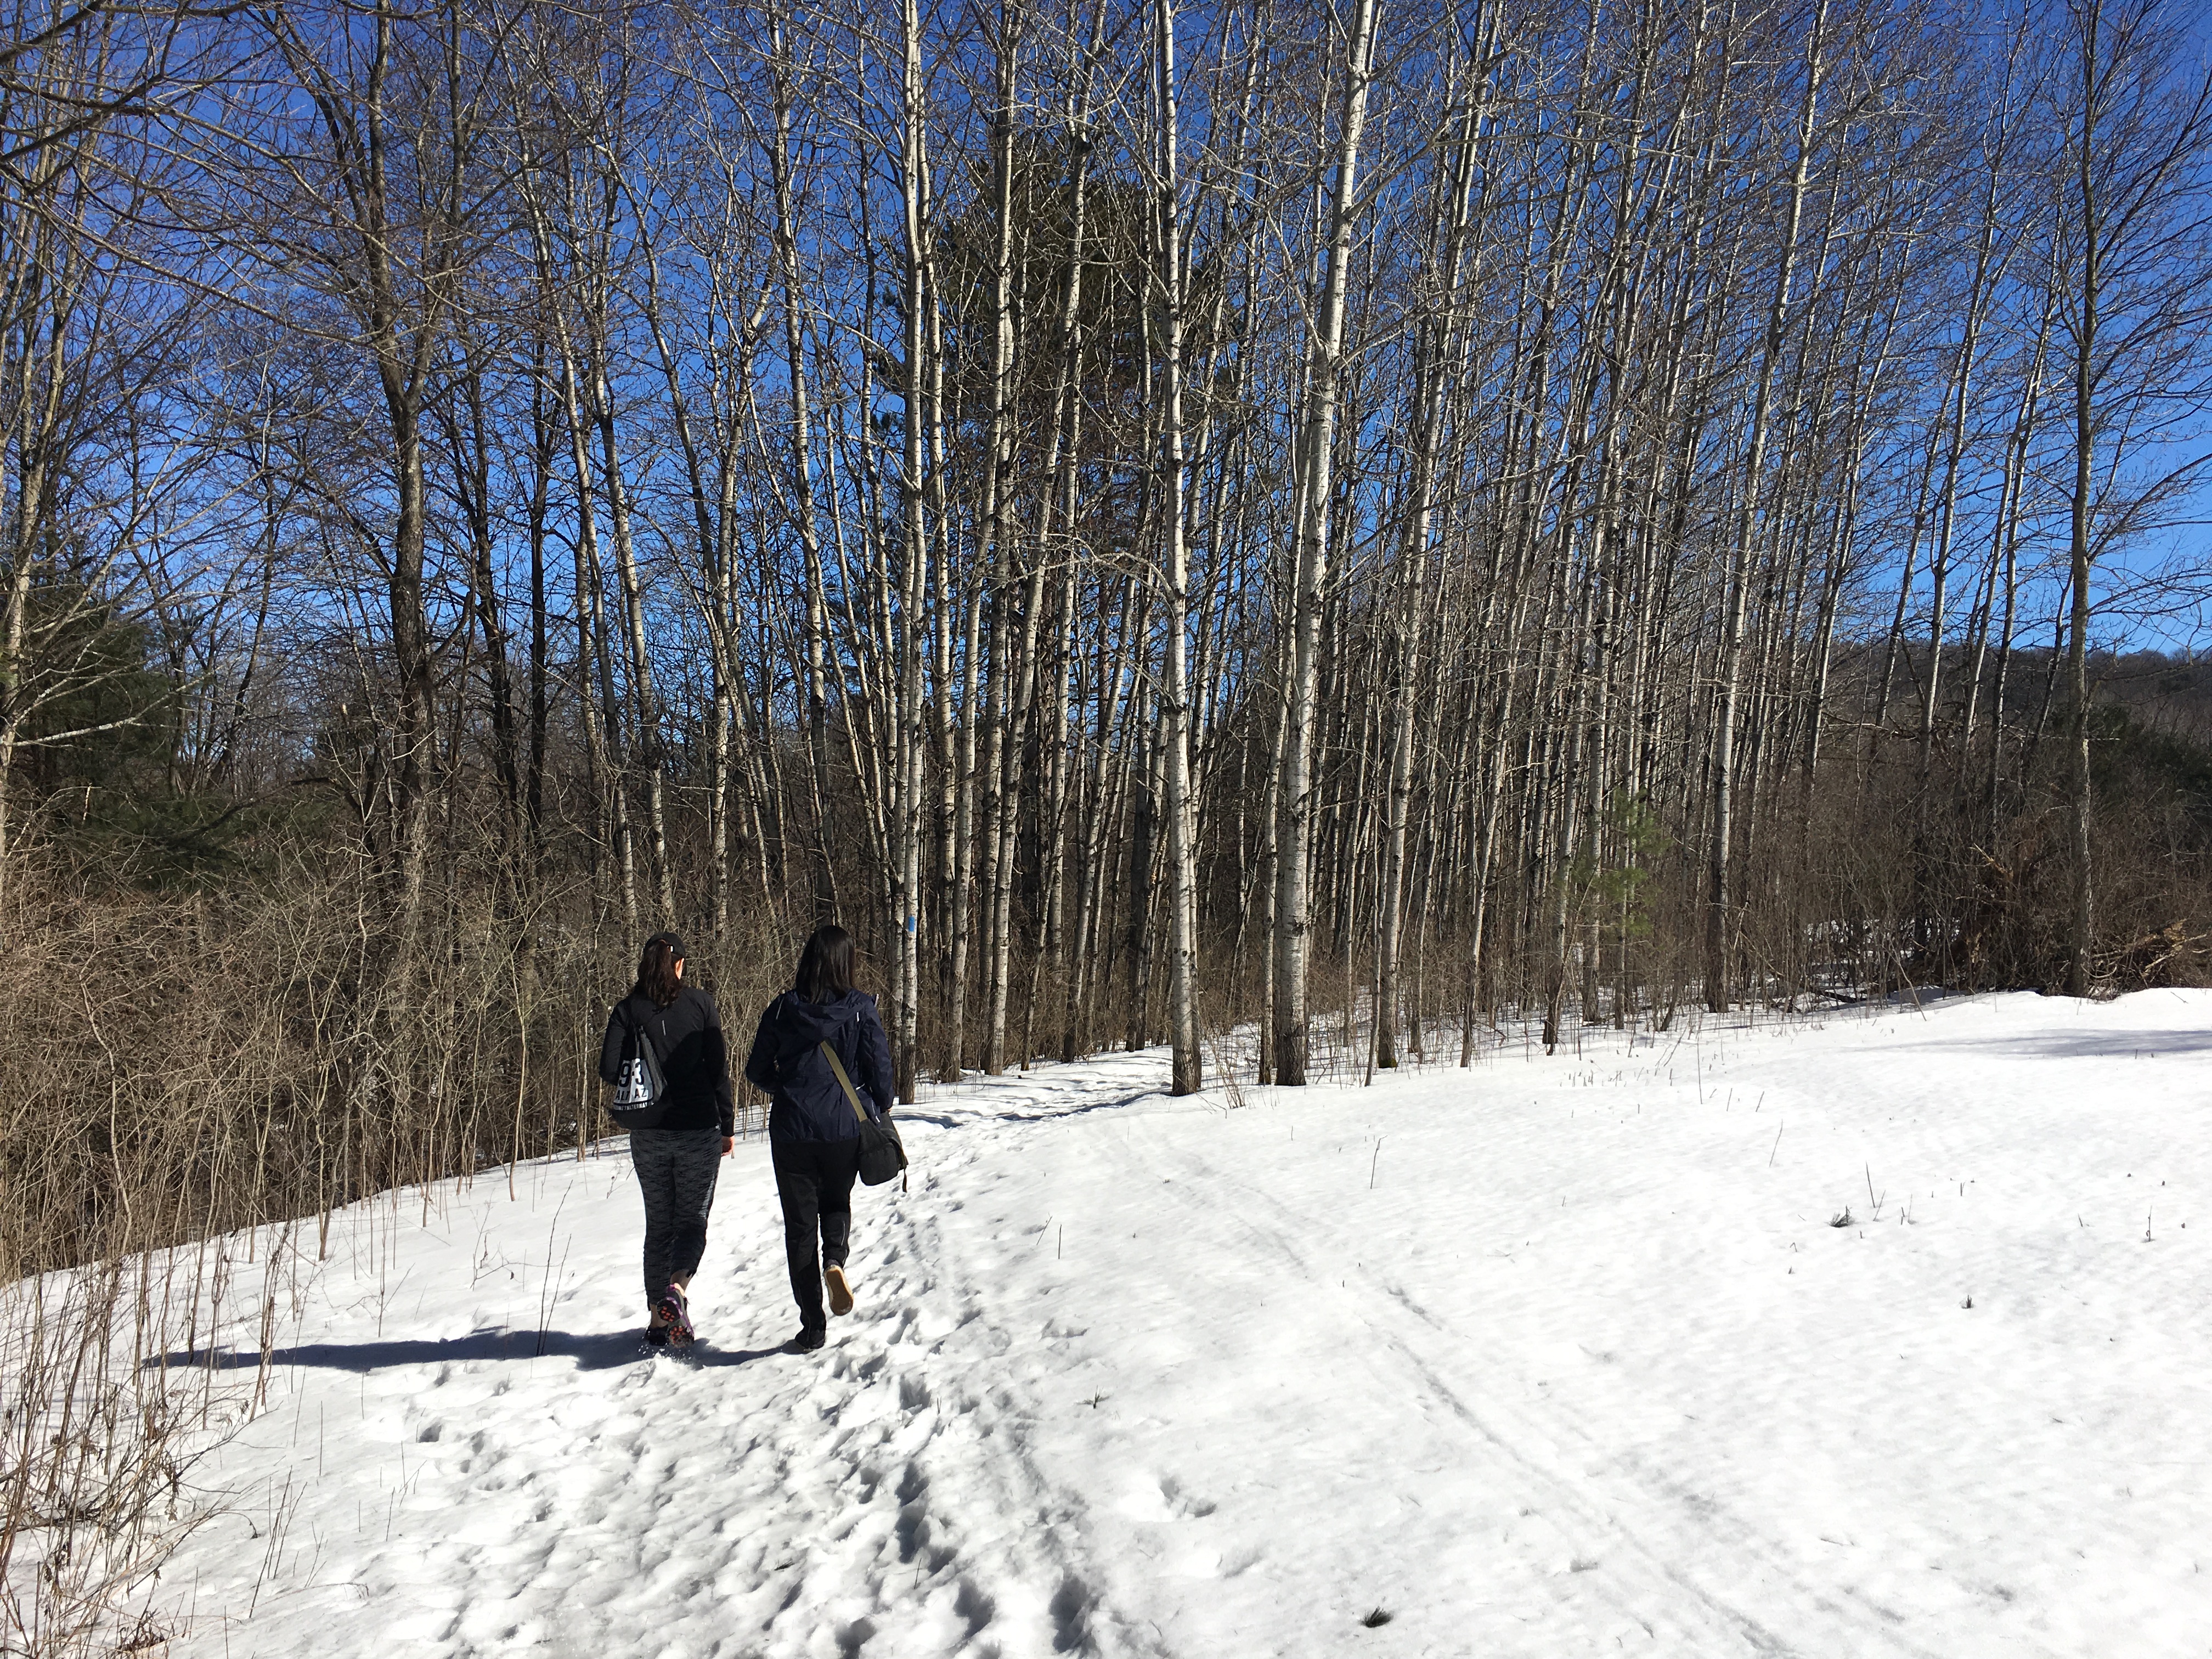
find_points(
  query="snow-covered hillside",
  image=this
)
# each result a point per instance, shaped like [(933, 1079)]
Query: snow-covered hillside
[(1883, 1335)]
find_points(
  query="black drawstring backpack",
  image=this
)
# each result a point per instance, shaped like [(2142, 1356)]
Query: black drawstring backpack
[(639, 1088)]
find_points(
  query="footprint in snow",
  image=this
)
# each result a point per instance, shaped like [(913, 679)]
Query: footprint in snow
[(1185, 1505), (1164, 1500), (1071, 1614)]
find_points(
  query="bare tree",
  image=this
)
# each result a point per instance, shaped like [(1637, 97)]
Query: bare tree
[(2134, 248), (1315, 457)]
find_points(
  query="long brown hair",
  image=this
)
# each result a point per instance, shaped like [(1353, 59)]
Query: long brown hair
[(825, 966), (656, 969)]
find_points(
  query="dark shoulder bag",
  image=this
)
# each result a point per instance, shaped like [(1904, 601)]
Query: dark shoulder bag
[(883, 1155), (639, 1099)]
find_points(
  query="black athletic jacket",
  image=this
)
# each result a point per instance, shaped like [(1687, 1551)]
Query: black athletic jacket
[(787, 1063), (695, 1058)]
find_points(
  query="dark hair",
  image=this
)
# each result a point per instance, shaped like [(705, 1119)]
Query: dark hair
[(656, 968), (825, 966)]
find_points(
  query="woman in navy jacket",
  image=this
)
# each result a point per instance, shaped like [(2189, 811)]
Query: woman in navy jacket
[(813, 1135)]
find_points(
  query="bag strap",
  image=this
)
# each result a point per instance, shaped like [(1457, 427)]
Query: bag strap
[(844, 1081), (643, 1048)]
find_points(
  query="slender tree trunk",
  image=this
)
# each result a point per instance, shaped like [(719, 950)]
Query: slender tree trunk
[(911, 732), (1720, 899), (1183, 1032), (1315, 455)]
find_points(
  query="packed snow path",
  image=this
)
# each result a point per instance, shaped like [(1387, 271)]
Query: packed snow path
[(1550, 1356)]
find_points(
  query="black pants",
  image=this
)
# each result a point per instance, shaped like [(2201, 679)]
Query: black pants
[(814, 1179), (676, 1171)]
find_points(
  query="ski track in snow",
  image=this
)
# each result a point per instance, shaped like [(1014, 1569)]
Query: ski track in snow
[(1552, 1357)]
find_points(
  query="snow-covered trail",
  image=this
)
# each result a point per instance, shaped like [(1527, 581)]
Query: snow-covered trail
[(1556, 1356)]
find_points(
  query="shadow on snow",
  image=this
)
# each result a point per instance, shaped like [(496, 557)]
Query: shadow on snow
[(2077, 1045), (592, 1352)]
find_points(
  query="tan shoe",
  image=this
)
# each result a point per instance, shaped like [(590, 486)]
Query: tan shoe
[(841, 1292)]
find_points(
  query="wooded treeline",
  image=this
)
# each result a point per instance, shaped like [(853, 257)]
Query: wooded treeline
[(1352, 525), (1161, 518)]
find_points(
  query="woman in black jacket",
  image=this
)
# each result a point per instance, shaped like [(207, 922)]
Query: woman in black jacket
[(813, 1129), (678, 1159)]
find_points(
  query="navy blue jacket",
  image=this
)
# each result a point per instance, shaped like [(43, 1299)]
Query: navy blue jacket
[(787, 1063)]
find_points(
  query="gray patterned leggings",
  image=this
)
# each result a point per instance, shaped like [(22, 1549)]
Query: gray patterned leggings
[(676, 1171)]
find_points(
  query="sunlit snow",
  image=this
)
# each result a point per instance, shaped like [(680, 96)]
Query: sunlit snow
[(1869, 1334)]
